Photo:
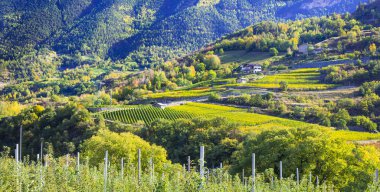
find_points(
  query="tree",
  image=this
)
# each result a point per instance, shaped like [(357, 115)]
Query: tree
[(284, 86), (341, 118), (212, 62), (365, 122), (62, 129), (214, 97), (211, 75), (289, 52), (190, 72), (182, 138), (310, 150), (273, 51), (221, 51), (339, 47), (123, 145), (200, 67), (373, 49)]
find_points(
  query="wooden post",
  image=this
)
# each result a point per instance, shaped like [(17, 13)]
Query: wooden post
[(139, 165), (272, 181), (221, 165), (317, 181), (20, 144), (242, 176), (105, 171), (16, 153), (111, 97), (67, 161), (41, 149), (122, 168), (298, 177), (253, 171), (152, 169), (188, 164), (202, 161), (46, 160), (310, 177), (78, 162), (280, 170)]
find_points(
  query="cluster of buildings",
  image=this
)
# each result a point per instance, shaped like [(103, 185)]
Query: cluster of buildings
[(249, 68)]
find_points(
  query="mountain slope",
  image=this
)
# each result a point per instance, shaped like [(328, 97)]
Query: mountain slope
[(122, 28)]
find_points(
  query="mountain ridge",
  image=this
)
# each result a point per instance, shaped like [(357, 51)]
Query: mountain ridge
[(120, 29)]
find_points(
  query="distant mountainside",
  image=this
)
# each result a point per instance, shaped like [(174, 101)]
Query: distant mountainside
[(140, 30), (369, 14)]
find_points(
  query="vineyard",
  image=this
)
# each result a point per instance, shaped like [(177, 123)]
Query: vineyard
[(73, 174), (252, 122), (300, 79), (239, 115), (183, 93), (145, 113)]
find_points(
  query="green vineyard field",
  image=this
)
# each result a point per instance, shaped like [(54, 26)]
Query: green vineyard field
[(300, 79), (146, 113)]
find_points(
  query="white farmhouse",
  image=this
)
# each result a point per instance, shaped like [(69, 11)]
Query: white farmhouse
[(251, 68)]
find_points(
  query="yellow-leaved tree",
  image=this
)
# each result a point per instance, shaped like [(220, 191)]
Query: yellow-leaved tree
[(124, 145), (372, 49)]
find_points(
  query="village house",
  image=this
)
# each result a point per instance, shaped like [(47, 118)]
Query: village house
[(303, 49), (159, 105), (242, 80), (250, 68)]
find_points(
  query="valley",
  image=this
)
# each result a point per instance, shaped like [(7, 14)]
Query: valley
[(209, 95)]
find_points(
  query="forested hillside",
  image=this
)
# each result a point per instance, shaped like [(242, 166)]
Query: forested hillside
[(120, 28)]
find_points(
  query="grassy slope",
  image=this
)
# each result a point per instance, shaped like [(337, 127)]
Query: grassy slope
[(242, 57)]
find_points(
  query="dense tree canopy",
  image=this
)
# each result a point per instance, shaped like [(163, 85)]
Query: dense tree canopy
[(182, 138), (123, 145), (343, 164), (61, 130)]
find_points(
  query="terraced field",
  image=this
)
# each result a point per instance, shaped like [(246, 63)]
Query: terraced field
[(300, 79), (249, 122), (240, 116), (183, 93), (145, 113), (255, 123)]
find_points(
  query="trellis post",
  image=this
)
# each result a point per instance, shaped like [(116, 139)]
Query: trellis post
[(20, 144), (122, 168), (280, 170), (105, 171), (298, 177), (253, 171), (188, 164), (202, 161), (139, 165)]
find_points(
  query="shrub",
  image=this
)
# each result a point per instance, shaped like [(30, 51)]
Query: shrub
[(273, 51), (365, 122)]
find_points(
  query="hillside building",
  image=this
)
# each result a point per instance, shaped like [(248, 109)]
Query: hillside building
[(251, 68)]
